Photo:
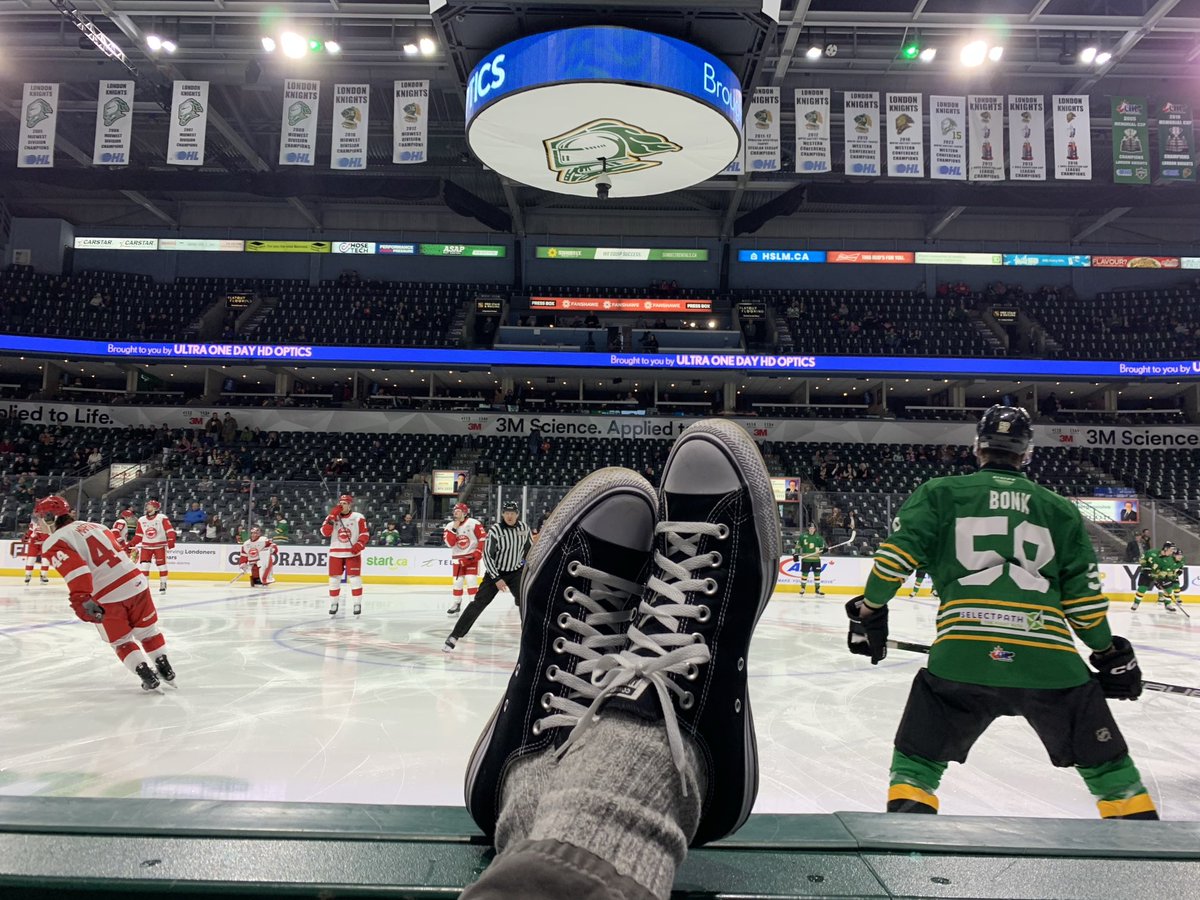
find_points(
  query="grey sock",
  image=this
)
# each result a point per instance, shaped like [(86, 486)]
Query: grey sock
[(524, 785), (618, 795)]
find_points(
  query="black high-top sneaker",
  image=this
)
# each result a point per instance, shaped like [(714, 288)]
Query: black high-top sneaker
[(150, 681), (716, 562), (164, 667), (581, 584)]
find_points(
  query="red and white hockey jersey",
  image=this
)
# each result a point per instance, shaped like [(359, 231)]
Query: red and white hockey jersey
[(258, 552), (154, 533), (465, 539), (88, 559), (348, 535), (33, 541)]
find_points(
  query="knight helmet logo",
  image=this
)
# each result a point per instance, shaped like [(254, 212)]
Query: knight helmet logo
[(862, 123), (904, 122), (412, 112), (762, 118), (351, 116), (948, 125), (298, 112), (114, 109), (813, 119), (37, 112), (607, 145), (190, 109)]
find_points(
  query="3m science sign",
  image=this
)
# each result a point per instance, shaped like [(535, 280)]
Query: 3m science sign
[(649, 113)]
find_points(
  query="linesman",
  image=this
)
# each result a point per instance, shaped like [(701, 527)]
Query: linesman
[(504, 554)]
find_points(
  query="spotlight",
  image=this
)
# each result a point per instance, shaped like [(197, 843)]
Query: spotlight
[(170, 46), (333, 47), (910, 50), (1103, 57), (268, 44), (1087, 55), (973, 54), (928, 54), (428, 47), (813, 52), (154, 42), (995, 53), (293, 45), (410, 49), (315, 45)]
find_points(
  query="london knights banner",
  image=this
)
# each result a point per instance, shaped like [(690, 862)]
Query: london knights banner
[(1026, 137), (410, 122), (1176, 142), (348, 141), (1130, 141), (948, 138), (189, 123), (39, 121), (905, 136), (298, 130), (1072, 137), (861, 123), (761, 135), (114, 124), (812, 130), (985, 137)]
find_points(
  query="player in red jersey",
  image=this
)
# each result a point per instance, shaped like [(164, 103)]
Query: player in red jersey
[(106, 589), (123, 529), (464, 536), (348, 537), (155, 535), (259, 555), (33, 551)]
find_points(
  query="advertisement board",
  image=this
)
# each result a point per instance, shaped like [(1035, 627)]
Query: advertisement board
[(201, 245), (939, 258), (492, 250), (1135, 262), (611, 304), (1047, 259), (354, 247), (781, 256), (449, 482), (115, 243), (884, 257), (786, 489), (287, 246), (625, 254)]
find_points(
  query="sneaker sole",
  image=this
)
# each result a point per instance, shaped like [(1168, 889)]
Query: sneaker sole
[(588, 493), (748, 461)]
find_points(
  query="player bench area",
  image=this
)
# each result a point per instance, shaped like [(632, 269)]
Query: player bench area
[(72, 847)]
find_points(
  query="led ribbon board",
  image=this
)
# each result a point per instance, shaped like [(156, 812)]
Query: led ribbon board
[(663, 114)]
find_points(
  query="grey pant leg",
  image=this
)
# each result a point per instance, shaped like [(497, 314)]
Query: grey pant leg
[(553, 870)]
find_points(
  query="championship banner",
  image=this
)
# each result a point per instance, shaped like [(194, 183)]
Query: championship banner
[(298, 132), (189, 124), (114, 124), (1026, 137), (348, 144), (985, 137), (905, 136), (812, 130), (948, 138), (410, 121), (1176, 142), (1072, 137), (39, 120), (762, 131), (1131, 141), (861, 115)]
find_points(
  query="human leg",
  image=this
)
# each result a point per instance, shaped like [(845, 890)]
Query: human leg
[(486, 594), (458, 569), (337, 566), (354, 579)]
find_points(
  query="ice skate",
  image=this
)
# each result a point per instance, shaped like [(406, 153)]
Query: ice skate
[(451, 643), (455, 609), (45, 579), (162, 587), (803, 589), (28, 578), (358, 609), (819, 592), (164, 668), (333, 608), (150, 681)]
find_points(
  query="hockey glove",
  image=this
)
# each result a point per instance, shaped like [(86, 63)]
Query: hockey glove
[(1118, 672), (868, 630), (336, 512), (795, 557), (86, 609)]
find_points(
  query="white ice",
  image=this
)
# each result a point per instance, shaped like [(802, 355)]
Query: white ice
[(276, 701)]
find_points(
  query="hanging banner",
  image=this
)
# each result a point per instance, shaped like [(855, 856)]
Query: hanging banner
[(861, 115), (298, 132), (189, 123), (1176, 142), (762, 131), (410, 122), (1026, 137), (905, 136), (1072, 137), (39, 120), (1131, 141), (348, 146), (948, 138), (114, 124), (812, 130), (985, 137)]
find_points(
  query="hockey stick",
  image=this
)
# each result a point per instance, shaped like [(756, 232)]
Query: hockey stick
[(849, 540), (1148, 685), (237, 576)]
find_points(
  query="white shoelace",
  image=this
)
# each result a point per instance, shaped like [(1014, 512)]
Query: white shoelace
[(600, 631), (651, 657)]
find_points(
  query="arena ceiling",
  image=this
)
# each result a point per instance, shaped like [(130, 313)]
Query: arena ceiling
[(1155, 47)]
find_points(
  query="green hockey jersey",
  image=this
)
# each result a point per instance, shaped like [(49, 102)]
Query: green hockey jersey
[(1016, 576), (809, 546), (1166, 569)]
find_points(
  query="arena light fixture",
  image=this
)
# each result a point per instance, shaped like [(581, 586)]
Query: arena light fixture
[(428, 47), (333, 48), (813, 52), (995, 53), (928, 54), (268, 43), (1088, 54), (411, 49), (153, 42), (973, 54), (170, 46), (293, 45), (1103, 57), (911, 50)]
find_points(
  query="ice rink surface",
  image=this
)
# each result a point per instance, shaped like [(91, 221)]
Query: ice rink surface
[(276, 701)]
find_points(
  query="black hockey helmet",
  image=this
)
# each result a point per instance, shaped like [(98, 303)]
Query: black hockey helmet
[(1168, 545), (510, 506), (1005, 428)]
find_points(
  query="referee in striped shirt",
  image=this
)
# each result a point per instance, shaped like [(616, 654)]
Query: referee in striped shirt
[(504, 554)]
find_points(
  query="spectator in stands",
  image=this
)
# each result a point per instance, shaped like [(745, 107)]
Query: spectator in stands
[(835, 518), (247, 435), (408, 531), (229, 428), (283, 530), (390, 536), (195, 518), (273, 508), (95, 460), (591, 321), (650, 342), (1050, 406), (1137, 546), (212, 430), (214, 530), (97, 300), (863, 472)]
